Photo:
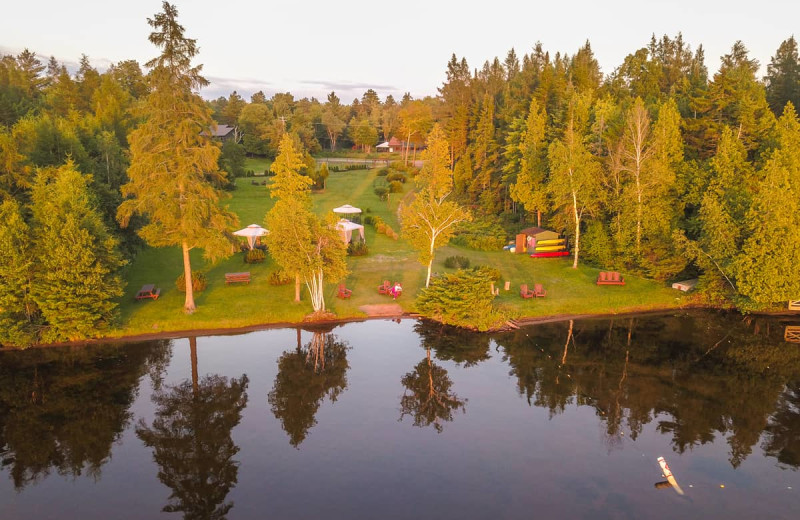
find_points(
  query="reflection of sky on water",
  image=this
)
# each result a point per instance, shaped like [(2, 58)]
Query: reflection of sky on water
[(501, 457)]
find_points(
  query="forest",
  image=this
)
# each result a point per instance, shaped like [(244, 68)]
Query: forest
[(659, 168)]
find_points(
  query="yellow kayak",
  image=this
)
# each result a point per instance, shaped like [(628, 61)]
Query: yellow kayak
[(546, 249), (553, 242)]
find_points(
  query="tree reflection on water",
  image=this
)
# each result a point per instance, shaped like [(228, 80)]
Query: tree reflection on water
[(62, 409), (306, 376), (191, 441), (696, 378)]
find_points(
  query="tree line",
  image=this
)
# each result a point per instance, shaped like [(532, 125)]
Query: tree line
[(658, 168)]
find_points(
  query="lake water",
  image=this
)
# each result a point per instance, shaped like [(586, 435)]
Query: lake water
[(406, 420)]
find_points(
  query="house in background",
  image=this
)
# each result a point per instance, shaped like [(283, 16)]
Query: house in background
[(222, 132), (392, 145)]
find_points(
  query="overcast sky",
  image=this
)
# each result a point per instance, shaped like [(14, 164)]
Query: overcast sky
[(312, 47)]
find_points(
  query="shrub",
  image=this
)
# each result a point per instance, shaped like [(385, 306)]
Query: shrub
[(255, 256), (482, 235), (490, 273), (357, 248), (279, 277), (383, 172), (199, 282), (396, 187), (369, 220), (462, 299), (397, 176), (461, 262), (382, 193)]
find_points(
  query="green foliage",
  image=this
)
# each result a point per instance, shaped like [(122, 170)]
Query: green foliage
[(381, 192), (357, 248), (766, 270), (383, 172), (483, 234), (396, 187), (199, 282), (174, 173), (19, 314), (491, 273), (232, 159), (462, 299), (460, 262), (77, 282), (279, 277), (396, 176), (255, 256)]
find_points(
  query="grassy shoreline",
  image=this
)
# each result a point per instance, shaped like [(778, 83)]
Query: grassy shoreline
[(221, 307)]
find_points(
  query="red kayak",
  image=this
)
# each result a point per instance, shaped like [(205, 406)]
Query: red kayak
[(550, 254)]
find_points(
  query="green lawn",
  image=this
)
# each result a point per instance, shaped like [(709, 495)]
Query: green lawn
[(570, 291)]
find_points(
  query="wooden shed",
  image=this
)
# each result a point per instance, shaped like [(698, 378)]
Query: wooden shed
[(528, 237)]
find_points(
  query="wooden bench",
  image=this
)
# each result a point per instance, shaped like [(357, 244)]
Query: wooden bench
[(610, 278), (148, 291), (237, 277)]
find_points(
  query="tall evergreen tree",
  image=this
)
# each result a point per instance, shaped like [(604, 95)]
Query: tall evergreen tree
[(77, 281), (767, 266), (530, 189), (783, 76), (174, 171), (18, 311)]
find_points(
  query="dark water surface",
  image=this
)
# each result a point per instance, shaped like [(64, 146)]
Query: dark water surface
[(388, 420)]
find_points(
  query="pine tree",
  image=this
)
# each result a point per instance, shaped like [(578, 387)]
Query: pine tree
[(530, 189), (77, 279), (767, 266), (783, 76), (174, 171), (18, 312)]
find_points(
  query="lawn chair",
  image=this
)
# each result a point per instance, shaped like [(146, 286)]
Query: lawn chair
[(344, 292), (385, 287), (524, 292), (539, 291)]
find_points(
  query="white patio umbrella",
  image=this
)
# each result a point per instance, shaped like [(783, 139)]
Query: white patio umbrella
[(251, 232)]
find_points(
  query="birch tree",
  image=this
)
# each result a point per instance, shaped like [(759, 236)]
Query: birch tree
[(430, 220), (574, 183)]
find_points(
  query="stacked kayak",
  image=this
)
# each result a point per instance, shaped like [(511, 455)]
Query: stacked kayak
[(550, 248)]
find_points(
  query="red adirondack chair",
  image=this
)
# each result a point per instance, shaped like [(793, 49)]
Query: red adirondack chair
[(524, 292), (385, 287), (539, 291), (344, 292)]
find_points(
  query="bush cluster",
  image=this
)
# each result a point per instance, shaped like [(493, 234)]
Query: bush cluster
[(279, 277), (396, 187), (481, 234), (462, 299), (199, 282), (381, 226), (461, 262), (357, 248), (396, 176), (255, 256)]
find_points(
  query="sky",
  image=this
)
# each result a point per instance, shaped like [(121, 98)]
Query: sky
[(311, 47)]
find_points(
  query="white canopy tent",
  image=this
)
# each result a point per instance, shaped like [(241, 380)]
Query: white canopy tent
[(347, 228), (251, 232)]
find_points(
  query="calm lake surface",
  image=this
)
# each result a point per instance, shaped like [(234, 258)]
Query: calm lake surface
[(407, 420)]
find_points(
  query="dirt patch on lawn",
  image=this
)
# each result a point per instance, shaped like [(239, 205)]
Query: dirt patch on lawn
[(382, 310)]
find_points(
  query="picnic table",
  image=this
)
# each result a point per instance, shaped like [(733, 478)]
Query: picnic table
[(148, 291)]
